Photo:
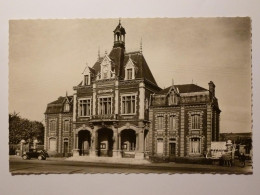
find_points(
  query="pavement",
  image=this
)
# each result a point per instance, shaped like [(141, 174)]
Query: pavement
[(66, 166)]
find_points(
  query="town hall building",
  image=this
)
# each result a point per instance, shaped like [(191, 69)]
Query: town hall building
[(119, 111)]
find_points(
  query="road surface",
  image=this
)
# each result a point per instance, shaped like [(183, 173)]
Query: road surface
[(60, 165)]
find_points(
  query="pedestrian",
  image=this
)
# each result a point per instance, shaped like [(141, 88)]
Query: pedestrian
[(242, 159)]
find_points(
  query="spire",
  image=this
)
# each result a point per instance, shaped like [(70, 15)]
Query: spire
[(105, 52), (119, 21), (172, 82), (66, 93), (141, 46), (98, 53)]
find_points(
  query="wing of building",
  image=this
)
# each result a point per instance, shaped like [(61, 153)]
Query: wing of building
[(118, 110)]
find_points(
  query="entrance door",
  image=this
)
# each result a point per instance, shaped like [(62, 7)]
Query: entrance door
[(66, 148), (172, 148), (85, 148)]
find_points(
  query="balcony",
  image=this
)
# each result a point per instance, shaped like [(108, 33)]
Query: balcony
[(105, 117)]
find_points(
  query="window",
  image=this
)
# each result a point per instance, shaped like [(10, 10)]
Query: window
[(172, 125), (195, 121), (128, 104), (129, 74), (66, 125), (66, 107), (160, 122), (86, 79), (160, 146), (53, 126), (52, 144), (195, 145), (105, 105), (85, 107)]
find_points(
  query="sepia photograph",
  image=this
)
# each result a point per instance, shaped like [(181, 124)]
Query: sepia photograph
[(130, 95)]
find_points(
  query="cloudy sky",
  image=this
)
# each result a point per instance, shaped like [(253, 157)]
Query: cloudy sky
[(47, 57)]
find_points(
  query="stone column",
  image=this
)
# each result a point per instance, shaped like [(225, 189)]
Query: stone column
[(116, 151), (137, 142), (45, 133), (75, 144), (119, 143), (94, 144), (59, 130), (209, 126), (182, 132), (116, 98), (74, 107), (141, 100), (94, 99), (140, 151)]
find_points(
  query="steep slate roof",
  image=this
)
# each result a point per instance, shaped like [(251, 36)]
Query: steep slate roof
[(57, 105), (119, 60), (186, 88)]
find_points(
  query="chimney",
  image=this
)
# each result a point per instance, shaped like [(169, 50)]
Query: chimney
[(212, 88)]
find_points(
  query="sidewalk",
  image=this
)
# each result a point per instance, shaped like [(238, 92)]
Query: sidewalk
[(111, 160)]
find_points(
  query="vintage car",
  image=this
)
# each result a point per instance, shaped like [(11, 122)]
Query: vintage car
[(33, 153)]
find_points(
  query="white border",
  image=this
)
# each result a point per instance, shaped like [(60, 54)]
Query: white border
[(133, 183)]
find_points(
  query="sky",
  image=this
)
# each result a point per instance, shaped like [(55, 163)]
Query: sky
[(47, 58)]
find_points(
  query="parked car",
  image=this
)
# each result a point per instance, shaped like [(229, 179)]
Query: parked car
[(33, 153)]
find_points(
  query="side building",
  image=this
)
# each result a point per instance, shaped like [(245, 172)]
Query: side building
[(184, 121), (58, 126)]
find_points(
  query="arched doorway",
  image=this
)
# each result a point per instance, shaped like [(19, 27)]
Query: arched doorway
[(105, 142), (128, 143), (84, 143)]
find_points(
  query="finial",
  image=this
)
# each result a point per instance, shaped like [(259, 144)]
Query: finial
[(119, 21), (141, 46), (105, 52), (172, 82), (66, 93)]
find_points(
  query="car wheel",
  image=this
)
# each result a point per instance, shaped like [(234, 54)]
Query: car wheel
[(25, 157), (39, 157)]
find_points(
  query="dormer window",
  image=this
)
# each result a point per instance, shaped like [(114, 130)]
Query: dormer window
[(86, 80), (129, 72), (66, 107)]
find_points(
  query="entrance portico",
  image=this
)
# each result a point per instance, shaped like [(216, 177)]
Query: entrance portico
[(109, 141)]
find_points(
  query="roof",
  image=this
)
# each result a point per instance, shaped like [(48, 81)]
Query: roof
[(185, 88), (119, 60), (57, 105)]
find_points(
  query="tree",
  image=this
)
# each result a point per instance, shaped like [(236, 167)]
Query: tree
[(20, 128)]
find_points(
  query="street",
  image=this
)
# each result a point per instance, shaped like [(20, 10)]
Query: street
[(60, 165)]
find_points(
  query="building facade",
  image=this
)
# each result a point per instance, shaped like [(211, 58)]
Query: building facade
[(117, 111), (185, 121)]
